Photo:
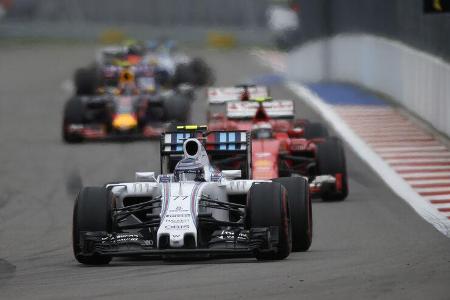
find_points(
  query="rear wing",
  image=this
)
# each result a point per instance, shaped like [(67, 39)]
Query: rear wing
[(218, 95), (276, 109), (226, 149)]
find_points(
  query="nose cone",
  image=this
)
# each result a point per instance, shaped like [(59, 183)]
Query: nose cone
[(124, 122), (265, 159)]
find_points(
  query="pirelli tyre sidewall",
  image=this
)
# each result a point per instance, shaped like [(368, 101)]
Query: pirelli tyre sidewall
[(331, 161), (301, 211), (267, 206), (73, 114), (92, 212)]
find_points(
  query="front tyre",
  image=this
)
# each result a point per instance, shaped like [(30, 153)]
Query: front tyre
[(301, 211), (331, 161), (73, 115), (267, 206), (92, 212)]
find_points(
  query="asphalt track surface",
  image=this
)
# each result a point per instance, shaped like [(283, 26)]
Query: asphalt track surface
[(372, 245)]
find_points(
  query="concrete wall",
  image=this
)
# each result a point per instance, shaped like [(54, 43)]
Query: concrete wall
[(401, 20), (417, 80)]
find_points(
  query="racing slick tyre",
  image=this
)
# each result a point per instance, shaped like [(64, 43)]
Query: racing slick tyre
[(315, 130), (92, 212), (183, 74), (86, 81), (73, 114), (202, 72), (176, 108), (196, 72), (300, 210), (331, 161), (267, 206)]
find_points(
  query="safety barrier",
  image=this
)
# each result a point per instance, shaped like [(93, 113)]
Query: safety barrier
[(416, 80)]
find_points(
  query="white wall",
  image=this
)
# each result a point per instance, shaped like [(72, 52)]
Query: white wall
[(416, 80)]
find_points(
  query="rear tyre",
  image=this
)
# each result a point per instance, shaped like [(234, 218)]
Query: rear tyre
[(183, 74), (176, 108), (315, 131), (267, 206), (197, 72), (300, 210), (92, 212), (73, 114), (331, 161), (202, 73)]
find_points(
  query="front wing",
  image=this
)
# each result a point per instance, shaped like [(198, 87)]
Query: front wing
[(134, 244)]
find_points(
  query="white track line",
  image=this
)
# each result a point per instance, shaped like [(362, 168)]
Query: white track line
[(412, 149), (442, 160), (389, 139), (424, 208), (430, 181), (402, 144), (415, 154), (434, 189), (422, 168), (437, 197), (392, 132), (442, 205), (425, 175), (394, 135)]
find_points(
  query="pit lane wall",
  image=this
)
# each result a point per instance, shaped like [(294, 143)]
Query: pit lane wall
[(416, 80)]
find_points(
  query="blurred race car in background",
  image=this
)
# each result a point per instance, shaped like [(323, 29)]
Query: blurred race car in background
[(196, 210), (285, 146), (136, 108), (169, 66)]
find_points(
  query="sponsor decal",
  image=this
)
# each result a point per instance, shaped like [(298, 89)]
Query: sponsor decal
[(176, 227), (263, 163), (231, 235), (180, 215)]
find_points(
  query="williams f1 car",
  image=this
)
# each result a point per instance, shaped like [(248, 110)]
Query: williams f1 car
[(284, 146), (196, 210)]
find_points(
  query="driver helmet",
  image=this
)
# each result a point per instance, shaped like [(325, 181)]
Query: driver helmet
[(262, 130), (189, 169)]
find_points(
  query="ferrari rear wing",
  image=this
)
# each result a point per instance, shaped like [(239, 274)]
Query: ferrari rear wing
[(218, 95), (276, 109), (226, 149)]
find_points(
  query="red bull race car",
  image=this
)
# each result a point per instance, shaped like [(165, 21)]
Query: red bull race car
[(285, 146), (133, 109)]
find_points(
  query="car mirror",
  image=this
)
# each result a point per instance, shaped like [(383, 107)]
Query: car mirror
[(232, 174), (145, 177)]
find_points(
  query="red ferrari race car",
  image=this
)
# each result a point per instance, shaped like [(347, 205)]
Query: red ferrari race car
[(283, 146)]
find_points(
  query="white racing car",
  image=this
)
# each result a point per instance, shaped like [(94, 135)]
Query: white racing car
[(195, 209)]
